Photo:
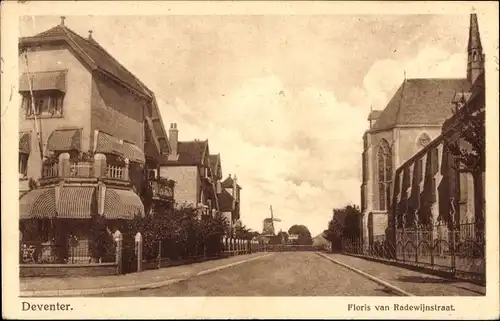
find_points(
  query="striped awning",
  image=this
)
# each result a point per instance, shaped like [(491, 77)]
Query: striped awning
[(64, 140), (76, 202), (122, 204), (108, 144), (24, 143), (46, 80), (38, 203), (133, 153)]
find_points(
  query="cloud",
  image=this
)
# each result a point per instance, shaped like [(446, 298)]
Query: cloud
[(298, 149)]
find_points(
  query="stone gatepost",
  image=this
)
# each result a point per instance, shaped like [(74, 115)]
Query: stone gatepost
[(64, 165), (223, 244), (138, 251), (118, 237), (125, 170), (100, 165)]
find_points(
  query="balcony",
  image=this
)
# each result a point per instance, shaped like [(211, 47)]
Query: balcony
[(64, 169), (163, 189)]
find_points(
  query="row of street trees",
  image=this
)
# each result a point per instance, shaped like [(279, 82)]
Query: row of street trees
[(180, 232)]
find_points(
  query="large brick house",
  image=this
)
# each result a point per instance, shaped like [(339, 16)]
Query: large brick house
[(411, 120), (90, 137), (189, 166)]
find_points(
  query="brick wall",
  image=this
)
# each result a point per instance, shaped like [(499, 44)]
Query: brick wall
[(188, 182), (116, 111), (76, 105)]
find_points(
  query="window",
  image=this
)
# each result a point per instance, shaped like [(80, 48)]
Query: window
[(384, 174), (23, 164), (46, 103)]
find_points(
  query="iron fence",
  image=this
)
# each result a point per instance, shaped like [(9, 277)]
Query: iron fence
[(459, 251), (50, 253)]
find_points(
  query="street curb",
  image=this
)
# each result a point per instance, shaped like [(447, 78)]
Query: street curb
[(129, 288), (369, 276), (229, 265)]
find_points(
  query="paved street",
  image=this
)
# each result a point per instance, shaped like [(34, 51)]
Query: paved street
[(278, 274)]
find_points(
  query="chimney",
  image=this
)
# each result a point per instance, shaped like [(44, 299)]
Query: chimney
[(62, 20), (90, 35), (235, 191), (173, 134)]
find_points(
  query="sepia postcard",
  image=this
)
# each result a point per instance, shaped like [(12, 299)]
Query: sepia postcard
[(250, 160)]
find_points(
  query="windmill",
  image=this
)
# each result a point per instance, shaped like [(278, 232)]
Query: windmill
[(268, 224)]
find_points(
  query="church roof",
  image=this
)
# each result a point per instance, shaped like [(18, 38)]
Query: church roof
[(421, 102), (89, 51), (474, 38)]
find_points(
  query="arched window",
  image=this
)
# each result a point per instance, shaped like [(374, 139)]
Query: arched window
[(384, 174)]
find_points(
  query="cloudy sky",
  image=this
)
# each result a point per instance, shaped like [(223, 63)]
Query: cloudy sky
[(283, 99)]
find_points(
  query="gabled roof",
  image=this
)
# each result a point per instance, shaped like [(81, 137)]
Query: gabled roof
[(88, 50), (190, 153), (214, 163), (421, 101), (225, 201), (229, 183), (98, 59)]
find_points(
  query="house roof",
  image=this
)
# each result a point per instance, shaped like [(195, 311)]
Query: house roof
[(229, 183), (225, 201), (214, 163), (90, 52), (190, 153), (421, 101), (98, 59)]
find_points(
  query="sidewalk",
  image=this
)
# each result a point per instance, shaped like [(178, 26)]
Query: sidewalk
[(75, 286), (416, 283)]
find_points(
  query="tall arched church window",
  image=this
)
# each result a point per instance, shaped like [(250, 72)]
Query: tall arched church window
[(384, 174)]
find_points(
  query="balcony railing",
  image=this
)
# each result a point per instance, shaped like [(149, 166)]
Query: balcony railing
[(50, 171), (115, 172), (83, 169)]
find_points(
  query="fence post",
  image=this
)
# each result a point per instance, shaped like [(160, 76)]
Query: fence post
[(159, 254), (118, 237), (138, 250)]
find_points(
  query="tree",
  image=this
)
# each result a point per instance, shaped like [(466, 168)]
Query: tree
[(283, 236), (243, 233), (304, 236), (345, 224)]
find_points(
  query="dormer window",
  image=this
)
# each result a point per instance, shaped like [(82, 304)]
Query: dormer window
[(43, 93)]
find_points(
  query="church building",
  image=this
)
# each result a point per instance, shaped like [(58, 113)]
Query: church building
[(412, 119)]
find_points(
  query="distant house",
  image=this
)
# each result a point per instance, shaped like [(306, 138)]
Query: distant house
[(293, 238), (190, 167), (229, 199)]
